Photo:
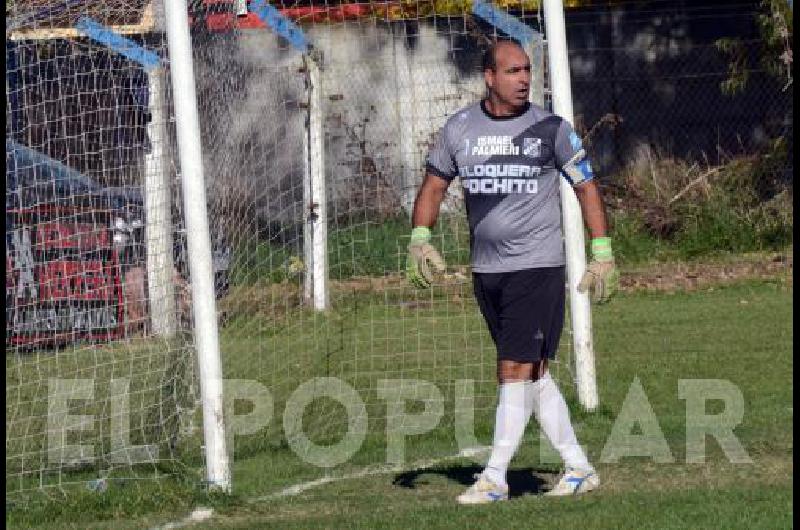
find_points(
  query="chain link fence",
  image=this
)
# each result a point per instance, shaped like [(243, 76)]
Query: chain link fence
[(682, 115)]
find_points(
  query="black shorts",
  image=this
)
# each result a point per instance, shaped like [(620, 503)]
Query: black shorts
[(524, 311)]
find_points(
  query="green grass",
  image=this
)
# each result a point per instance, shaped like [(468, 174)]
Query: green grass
[(356, 250), (155, 375), (741, 333), (707, 232), (662, 213), (430, 505)]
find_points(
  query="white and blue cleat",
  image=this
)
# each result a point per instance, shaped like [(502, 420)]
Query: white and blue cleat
[(483, 491), (575, 482)]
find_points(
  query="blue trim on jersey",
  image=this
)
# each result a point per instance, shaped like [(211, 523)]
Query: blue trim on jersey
[(585, 167), (575, 141)]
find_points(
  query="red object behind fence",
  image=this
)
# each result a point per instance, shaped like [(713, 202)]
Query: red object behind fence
[(63, 278)]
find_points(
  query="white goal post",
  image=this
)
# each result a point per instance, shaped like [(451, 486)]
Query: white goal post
[(580, 310), (204, 307)]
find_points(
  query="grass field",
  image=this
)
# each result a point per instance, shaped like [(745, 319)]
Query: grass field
[(740, 332)]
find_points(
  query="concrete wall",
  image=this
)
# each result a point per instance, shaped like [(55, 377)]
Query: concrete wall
[(387, 89)]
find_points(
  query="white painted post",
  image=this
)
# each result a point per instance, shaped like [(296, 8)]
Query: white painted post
[(404, 98), (308, 233), (158, 214), (580, 309), (536, 53), (316, 206), (199, 242)]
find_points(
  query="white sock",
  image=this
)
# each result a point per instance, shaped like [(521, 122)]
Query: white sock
[(510, 422), (544, 399)]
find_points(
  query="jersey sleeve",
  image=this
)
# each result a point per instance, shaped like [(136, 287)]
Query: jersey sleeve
[(571, 157), (441, 157)]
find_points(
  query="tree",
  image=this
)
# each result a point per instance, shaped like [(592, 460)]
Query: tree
[(774, 54)]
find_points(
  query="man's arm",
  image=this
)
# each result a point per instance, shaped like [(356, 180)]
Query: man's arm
[(573, 162), (428, 201), (571, 159), (421, 254), (601, 271), (591, 202)]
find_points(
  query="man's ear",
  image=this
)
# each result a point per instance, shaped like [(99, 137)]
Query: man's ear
[(488, 77)]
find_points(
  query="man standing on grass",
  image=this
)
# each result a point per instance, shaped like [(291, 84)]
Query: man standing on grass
[(510, 155)]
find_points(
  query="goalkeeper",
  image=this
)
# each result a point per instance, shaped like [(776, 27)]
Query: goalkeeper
[(509, 156)]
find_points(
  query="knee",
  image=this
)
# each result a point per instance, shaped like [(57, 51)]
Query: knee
[(511, 371)]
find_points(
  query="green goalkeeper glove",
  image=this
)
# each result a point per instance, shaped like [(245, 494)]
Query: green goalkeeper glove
[(421, 256), (601, 272)]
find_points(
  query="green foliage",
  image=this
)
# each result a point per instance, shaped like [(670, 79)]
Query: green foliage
[(776, 25), (665, 209), (774, 52), (368, 248), (631, 241), (738, 71), (744, 211), (255, 260)]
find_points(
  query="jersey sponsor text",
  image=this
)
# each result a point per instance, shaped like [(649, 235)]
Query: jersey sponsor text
[(493, 186), (494, 145), (499, 170)]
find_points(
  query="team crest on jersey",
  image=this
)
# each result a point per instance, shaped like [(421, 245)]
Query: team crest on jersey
[(532, 147)]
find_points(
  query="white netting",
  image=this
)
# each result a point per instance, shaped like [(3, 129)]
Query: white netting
[(92, 160), (99, 368), (385, 87)]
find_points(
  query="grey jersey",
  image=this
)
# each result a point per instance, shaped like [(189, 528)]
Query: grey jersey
[(510, 169)]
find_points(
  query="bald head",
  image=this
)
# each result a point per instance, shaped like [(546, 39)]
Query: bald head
[(507, 73), (490, 56)]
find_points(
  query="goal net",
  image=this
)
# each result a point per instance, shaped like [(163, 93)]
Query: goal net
[(317, 290), (312, 157), (100, 372)]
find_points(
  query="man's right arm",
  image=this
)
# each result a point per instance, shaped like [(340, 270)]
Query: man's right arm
[(428, 201), (422, 256), (423, 259)]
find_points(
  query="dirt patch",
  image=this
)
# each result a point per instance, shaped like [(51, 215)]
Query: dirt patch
[(692, 276), (659, 277), (685, 276)]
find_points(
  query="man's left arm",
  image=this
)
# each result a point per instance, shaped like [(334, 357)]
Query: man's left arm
[(601, 272), (591, 201)]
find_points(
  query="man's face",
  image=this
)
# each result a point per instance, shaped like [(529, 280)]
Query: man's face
[(510, 82)]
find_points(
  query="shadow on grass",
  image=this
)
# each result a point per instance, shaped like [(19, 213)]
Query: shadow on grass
[(528, 481)]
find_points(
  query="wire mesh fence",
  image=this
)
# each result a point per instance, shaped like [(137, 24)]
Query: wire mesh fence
[(687, 110)]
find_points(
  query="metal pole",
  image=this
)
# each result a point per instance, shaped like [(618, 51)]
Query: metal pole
[(580, 309), (308, 233), (318, 214), (199, 243), (158, 214)]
